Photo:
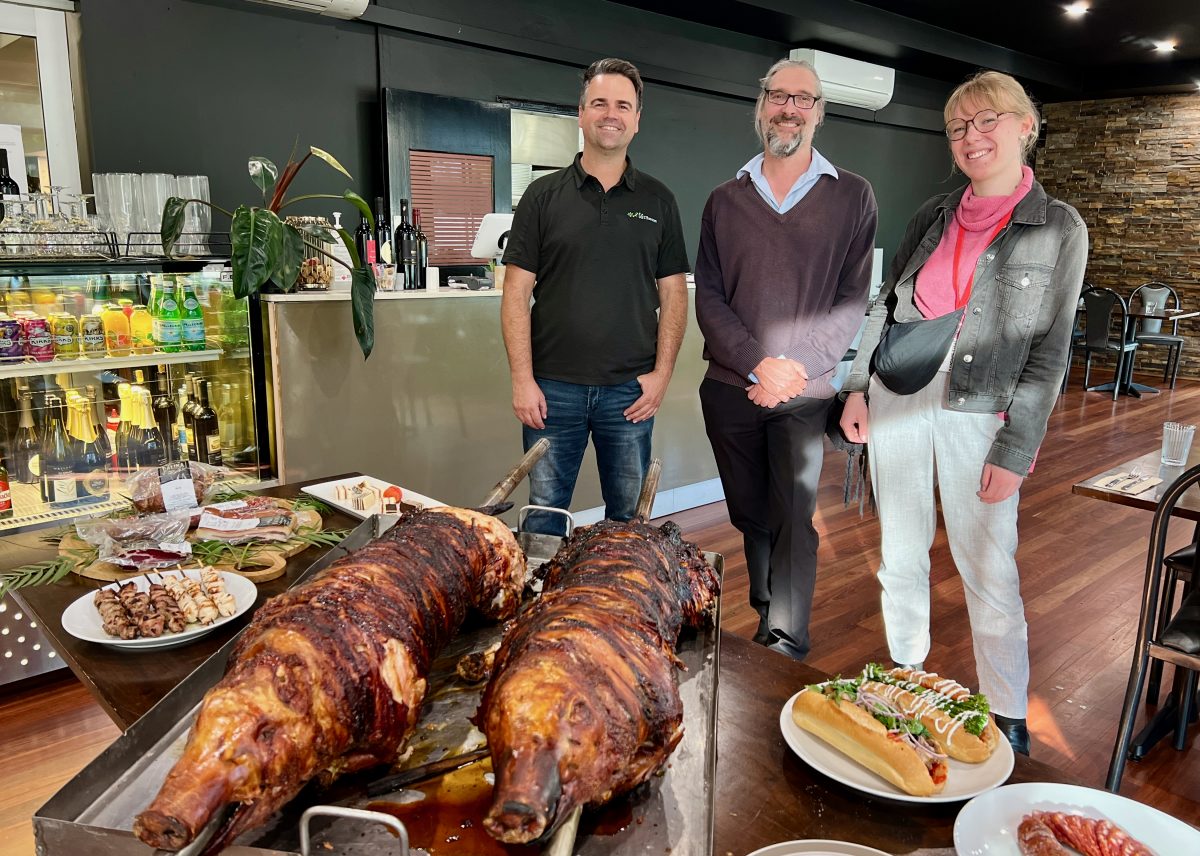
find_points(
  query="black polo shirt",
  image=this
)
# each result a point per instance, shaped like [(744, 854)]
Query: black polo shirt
[(596, 256)]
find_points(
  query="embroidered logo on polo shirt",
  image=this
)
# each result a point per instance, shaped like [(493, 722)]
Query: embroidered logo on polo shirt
[(638, 215)]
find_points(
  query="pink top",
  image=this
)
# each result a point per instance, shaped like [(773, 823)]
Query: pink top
[(976, 219)]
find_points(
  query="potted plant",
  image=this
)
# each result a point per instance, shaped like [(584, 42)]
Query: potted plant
[(266, 249)]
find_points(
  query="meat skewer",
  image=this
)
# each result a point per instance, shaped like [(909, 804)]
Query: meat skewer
[(330, 676), (583, 704)]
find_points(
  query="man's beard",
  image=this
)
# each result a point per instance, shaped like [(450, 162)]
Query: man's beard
[(783, 147)]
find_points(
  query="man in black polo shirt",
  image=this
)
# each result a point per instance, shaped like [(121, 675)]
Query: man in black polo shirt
[(599, 246)]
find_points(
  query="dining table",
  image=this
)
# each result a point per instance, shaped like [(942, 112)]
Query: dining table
[(1165, 720), (764, 793), (1128, 386)]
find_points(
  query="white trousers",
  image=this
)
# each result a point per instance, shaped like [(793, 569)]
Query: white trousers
[(913, 440)]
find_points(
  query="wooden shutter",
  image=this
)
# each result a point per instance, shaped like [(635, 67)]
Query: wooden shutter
[(454, 192)]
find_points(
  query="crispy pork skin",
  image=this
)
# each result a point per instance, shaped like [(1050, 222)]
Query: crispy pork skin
[(583, 702), (330, 676)]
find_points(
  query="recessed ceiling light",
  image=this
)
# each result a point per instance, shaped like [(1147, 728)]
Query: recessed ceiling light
[(1165, 46), (1077, 10)]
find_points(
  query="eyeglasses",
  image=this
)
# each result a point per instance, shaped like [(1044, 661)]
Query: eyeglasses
[(985, 122), (802, 100)]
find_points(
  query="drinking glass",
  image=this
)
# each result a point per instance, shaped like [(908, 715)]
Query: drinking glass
[(197, 220), (1176, 443), (157, 188), (118, 203)]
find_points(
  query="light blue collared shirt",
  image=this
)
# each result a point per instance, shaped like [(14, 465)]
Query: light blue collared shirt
[(820, 166)]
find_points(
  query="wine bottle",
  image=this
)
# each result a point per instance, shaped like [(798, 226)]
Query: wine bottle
[(128, 443), (58, 470), (154, 447), (102, 438), (27, 450), (164, 415), (408, 249), (8, 187), (383, 234), (422, 250), (364, 241), (91, 464), (190, 407), (208, 429), (6, 502)]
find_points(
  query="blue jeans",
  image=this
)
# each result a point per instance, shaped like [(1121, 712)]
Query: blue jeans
[(573, 411)]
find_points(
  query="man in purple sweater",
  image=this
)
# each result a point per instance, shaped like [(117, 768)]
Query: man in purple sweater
[(782, 278)]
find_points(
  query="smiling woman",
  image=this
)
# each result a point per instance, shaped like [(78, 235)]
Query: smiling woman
[(974, 321)]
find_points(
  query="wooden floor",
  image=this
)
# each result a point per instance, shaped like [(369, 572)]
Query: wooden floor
[(1081, 564)]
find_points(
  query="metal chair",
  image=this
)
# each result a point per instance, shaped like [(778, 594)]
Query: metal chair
[(1150, 329), (1154, 639), (1077, 334), (1100, 305)]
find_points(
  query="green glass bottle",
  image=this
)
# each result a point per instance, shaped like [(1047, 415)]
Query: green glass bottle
[(168, 319), (192, 319)]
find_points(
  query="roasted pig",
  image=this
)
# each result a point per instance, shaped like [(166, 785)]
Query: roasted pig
[(583, 702), (330, 676)]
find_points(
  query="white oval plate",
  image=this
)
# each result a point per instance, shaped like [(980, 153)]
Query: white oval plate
[(82, 620), (964, 780), (987, 825), (816, 847), (327, 492)]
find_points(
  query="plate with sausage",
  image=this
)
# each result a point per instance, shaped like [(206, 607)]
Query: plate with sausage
[(1048, 819)]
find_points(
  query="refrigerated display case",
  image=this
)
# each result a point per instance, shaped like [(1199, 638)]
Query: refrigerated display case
[(75, 339)]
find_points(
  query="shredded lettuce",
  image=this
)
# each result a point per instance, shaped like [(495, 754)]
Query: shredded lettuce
[(976, 703)]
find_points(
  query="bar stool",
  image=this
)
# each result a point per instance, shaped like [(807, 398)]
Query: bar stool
[(1156, 641)]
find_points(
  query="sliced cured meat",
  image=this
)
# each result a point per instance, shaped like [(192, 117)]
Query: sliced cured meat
[(1036, 838)]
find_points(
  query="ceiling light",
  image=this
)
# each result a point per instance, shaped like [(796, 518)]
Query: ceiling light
[(1076, 10), (1165, 46)]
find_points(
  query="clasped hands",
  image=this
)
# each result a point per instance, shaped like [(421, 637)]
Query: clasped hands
[(779, 380)]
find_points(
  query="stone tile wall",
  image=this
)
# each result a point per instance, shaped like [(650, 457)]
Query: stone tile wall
[(1131, 166)]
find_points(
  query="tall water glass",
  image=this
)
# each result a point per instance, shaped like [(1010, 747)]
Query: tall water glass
[(1176, 443), (197, 220), (118, 202), (157, 188)]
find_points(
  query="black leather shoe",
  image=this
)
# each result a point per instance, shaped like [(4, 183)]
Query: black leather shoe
[(1015, 731), (763, 636)]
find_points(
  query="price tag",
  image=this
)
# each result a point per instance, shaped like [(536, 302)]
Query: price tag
[(178, 490)]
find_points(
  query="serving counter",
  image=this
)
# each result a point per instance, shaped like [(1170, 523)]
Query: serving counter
[(763, 792), (432, 407)]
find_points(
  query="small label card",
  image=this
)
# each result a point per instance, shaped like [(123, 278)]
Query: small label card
[(178, 491)]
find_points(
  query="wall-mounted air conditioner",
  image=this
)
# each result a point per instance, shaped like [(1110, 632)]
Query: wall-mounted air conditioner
[(345, 9), (850, 81)]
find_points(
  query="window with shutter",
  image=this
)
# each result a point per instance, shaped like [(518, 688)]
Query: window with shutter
[(453, 192)]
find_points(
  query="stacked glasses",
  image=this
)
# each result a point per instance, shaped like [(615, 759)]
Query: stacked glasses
[(132, 205)]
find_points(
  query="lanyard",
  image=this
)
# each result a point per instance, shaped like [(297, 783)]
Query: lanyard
[(961, 298)]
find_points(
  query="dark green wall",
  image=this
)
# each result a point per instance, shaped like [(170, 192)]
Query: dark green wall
[(196, 86)]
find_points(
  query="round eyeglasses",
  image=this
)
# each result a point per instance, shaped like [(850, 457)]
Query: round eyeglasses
[(985, 122), (802, 99)]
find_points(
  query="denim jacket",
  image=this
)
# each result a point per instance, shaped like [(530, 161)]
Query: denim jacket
[(1012, 348)]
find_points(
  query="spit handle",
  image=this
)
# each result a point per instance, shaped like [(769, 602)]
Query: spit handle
[(525, 509), (509, 483), (387, 820), (645, 501), (562, 843)]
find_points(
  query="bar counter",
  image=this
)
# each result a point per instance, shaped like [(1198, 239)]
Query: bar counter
[(764, 793)]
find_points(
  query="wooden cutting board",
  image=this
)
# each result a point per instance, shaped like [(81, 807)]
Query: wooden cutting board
[(262, 562)]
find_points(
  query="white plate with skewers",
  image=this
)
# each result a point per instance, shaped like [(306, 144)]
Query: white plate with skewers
[(227, 595)]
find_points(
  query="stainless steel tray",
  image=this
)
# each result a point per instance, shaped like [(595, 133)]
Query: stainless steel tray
[(93, 813)]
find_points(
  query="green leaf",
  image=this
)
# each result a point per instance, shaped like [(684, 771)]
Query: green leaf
[(362, 307), (331, 160), (37, 574), (319, 232), (172, 223), (291, 254), (263, 173), (348, 243), (361, 205), (256, 235)]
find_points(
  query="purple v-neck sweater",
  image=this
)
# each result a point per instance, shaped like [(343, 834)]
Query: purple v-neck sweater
[(793, 284)]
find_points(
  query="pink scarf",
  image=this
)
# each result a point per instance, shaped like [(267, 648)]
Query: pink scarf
[(975, 219)]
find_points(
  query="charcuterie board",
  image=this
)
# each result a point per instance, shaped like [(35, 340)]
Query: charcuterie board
[(257, 562)]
